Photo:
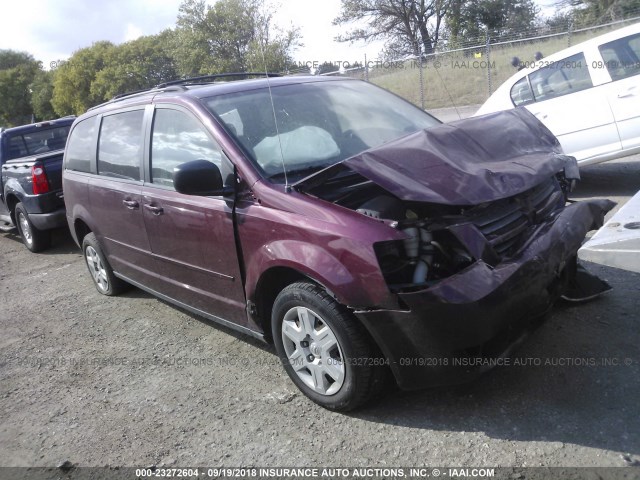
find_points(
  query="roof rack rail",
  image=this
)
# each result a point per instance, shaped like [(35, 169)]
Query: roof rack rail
[(142, 91), (132, 92), (125, 95), (202, 78), (181, 85)]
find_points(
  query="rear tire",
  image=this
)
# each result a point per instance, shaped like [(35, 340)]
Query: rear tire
[(35, 240), (101, 272), (325, 351)]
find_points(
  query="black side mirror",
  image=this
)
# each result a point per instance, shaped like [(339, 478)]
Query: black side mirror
[(199, 177)]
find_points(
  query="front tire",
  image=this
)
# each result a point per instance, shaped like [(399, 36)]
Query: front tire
[(101, 272), (35, 240), (324, 349)]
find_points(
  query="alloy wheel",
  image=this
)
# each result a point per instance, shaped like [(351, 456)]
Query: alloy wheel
[(25, 228), (96, 268), (313, 350)]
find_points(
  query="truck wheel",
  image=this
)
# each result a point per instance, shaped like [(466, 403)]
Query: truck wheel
[(324, 349), (101, 272), (34, 239)]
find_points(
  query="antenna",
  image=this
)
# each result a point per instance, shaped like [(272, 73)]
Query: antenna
[(287, 188), (444, 85)]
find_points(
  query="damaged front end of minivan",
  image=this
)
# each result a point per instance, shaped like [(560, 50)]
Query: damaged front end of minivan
[(489, 239)]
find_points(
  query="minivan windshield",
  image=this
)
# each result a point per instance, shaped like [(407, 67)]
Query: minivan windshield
[(319, 124)]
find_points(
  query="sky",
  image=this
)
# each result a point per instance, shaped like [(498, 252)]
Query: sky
[(52, 30)]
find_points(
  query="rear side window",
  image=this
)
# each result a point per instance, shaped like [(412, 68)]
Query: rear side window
[(40, 140), (521, 92), (81, 150), (178, 138), (120, 145), (622, 57), (16, 147), (565, 76)]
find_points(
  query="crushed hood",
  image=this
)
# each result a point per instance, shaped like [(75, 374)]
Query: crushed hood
[(467, 162)]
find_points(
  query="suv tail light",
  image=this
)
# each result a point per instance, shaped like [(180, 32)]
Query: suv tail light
[(40, 181)]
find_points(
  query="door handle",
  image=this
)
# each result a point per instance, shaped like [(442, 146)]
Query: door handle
[(155, 210), (131, 204), (541, 115)]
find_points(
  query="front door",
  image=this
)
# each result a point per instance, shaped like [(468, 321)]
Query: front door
[(192, 238)]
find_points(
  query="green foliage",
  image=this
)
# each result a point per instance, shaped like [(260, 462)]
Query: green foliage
[(590, 12), (17, 71), (135, 65), (560, 21), (471, 19), (408, 26), (327, 67), (12, 59), (231, 36), (41, 95), (273, 55), (95, 74), (72, 93)]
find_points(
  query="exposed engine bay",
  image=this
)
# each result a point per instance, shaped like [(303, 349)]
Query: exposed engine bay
[(482, 189), (442, 240)]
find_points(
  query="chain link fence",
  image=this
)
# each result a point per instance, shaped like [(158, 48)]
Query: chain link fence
[(467, 73)]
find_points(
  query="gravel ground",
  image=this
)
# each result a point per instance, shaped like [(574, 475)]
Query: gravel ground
[(134, 381)]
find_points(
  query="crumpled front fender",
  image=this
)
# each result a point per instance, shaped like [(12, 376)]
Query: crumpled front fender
[(482, 307), (552, 244)]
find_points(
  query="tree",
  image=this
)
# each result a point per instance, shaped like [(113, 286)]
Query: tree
[(593, 12), (408, 26), (12, 59), (519, 18), (17, 71), (453, 20), (470, 20), (230, 36), (559, 21), (41, 95), (271, 48), (72, 79), (135, 65)]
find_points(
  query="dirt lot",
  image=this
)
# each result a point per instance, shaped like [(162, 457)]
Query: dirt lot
[(134, 381)]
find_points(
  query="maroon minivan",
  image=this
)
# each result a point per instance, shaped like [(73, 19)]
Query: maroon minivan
[(353, 230)]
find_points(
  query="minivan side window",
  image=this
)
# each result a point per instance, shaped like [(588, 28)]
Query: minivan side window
[(565, 76), (178, 138), (120, 145), (622, 57), (81, 147)]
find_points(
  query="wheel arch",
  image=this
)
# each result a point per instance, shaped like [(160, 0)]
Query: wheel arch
[(80, 224), (80, 230), (272, 282), (11, 201), (269, 285)]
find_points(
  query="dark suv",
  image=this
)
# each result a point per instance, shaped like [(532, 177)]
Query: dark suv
[(333, 218)]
